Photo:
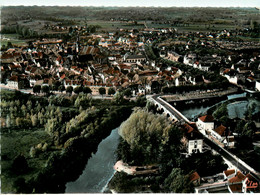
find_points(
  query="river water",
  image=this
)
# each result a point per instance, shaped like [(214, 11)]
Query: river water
[(236, 109), (99, 168)]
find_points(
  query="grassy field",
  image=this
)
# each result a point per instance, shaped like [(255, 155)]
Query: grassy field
[(13, 38), (112, 18), (19, 141)]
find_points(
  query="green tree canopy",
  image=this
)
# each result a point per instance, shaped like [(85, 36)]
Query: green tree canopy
[(118, 98), (78, 89), (147, 135), (178, 182), (36, 89), (102, 91), (45, 89), (111, 91), (128, 92), (61, 88), (69, 89), (87, 90)]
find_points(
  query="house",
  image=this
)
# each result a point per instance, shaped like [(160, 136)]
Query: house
[(16, 82), (180, 81), (173, 56), (257, 85), (189, 59), (205, 123), (240, 183), (223, 135), (243, 70), (195, 178), (204, 67), (135, 58), (231, 75), (193, 140)]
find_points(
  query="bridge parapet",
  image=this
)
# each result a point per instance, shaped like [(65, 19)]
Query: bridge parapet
[(168, 109), (176, 111)]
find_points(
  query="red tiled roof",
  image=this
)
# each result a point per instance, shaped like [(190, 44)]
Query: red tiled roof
[(236, 187), (207, 118), (14, 78), (226, 71), (229, 172), (251, 78), (238, 178), (244, 68), (194, 176), (63, 76), (6, 56), (188, 128), (220, 130)]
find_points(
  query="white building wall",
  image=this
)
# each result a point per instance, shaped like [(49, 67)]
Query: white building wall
[(257, 85), (231, 79), (12, 84), (205, 126), (195, 146)]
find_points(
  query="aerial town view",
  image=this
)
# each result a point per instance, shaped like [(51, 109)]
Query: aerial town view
[(128, 97)]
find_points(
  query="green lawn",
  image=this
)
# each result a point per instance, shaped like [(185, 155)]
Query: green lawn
[(19, 141), (13, 38)]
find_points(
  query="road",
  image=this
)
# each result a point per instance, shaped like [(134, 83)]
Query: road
[(230, 157), (173, 112)]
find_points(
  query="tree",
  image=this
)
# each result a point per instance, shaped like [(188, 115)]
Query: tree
[(204, 163), (19, 164), (83, 101), (111, 91), (36, 89), (69, 89), (118, 98), (249, 130), (45, 89), (128, 92), (9, 44), (221, 111), (102, 91), (146, 133), (250, 111), (61, 88), (87, 90), (34, 120), (78, 89), (178, 182), (24, 110)]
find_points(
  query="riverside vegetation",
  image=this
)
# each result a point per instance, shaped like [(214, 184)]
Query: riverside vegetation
[(148, 138), (47, 141)]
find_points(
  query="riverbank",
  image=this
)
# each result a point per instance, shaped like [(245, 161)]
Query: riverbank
[(99, 168), (68, 140)]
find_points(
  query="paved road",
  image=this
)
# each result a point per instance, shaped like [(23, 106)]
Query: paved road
[(229, 157), (173, 112), (209, 142)]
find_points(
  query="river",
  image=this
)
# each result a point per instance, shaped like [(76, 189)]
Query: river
[(99, 168), (236, 109)]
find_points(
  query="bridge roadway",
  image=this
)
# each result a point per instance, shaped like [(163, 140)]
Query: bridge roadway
[(230, 157), (166, 105)]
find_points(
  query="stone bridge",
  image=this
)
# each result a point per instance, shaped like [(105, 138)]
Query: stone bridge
[(171, 112)]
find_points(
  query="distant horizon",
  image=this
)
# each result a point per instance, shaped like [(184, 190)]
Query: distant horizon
[(135, 3), (96, 6)]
